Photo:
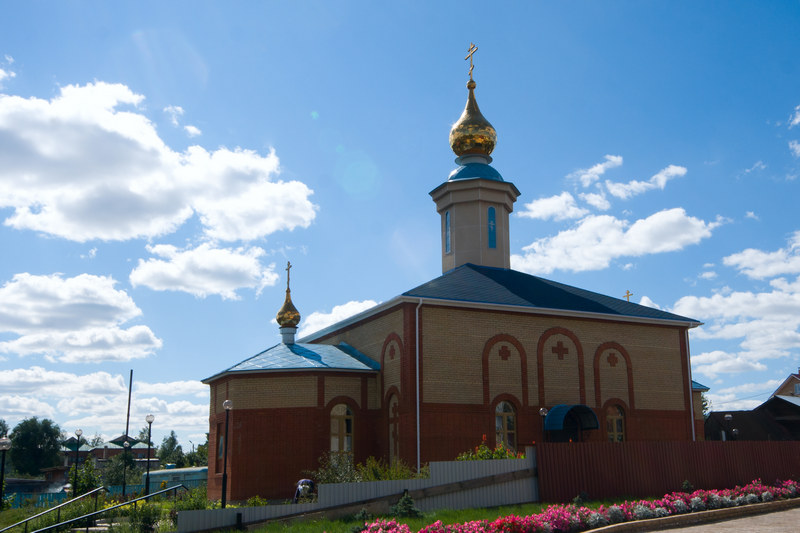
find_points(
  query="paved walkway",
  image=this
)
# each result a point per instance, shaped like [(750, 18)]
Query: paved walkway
[(778, 522)]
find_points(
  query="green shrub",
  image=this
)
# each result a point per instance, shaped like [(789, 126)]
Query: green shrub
[(256, 501), (144, 517), (405, 508), (379, 470)]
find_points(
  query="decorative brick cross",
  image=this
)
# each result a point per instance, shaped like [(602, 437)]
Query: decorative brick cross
[(391, 352), (505, 353), (561, 350), (612, 359)]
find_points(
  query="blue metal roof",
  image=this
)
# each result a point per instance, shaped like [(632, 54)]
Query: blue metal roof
[(475, 171), (306, 357), (554, 421), (699, 386), (489, 285)]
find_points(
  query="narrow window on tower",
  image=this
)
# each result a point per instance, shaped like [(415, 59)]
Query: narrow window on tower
[(447, 232), (492, 227)]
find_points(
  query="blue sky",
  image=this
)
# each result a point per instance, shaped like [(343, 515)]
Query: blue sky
[(161, 161)]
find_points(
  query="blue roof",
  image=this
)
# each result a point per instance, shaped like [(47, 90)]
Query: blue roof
[(475, 171), (489, 285), (306, 357), (699, 386)]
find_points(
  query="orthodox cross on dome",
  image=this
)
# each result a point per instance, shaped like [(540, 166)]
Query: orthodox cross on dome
[(288, 269), (560, 350), (471, 51), (628, 295)]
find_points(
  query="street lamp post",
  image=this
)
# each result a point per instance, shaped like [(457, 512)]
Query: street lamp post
[(5, 445), (228, 405), (543, 413), (78, 433), (125, 446), (149, 419)]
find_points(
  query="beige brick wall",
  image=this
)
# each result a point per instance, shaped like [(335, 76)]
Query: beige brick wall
[(504, 374), (349, 386), (269, 391), (452, 344), (613, 379), (392, 370), (373, 399), (454, 339), (368, 338)]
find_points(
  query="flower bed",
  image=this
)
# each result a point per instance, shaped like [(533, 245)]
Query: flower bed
[(571, 518)]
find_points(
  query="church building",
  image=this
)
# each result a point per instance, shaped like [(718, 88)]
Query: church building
[(480, 352)]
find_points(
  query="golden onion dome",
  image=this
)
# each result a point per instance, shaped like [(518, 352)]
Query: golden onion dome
[(288, 316), (472, 134)]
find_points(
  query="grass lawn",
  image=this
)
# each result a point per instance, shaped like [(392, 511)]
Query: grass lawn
[(445, 515)]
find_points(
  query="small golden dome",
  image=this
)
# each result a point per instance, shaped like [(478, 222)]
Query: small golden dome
[(472, 134), (288, 316)]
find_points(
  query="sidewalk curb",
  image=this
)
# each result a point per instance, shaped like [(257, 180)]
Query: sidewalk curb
[(701, 517)]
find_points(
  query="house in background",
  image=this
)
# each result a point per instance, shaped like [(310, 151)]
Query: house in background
[(778, 418)]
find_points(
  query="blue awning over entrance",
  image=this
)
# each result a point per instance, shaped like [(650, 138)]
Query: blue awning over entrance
[(578, 414)]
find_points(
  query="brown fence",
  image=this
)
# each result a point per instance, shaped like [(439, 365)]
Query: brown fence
[(642, 469)]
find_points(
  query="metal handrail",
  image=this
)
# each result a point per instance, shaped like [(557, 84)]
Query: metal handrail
[(56, 508), (97, 513)]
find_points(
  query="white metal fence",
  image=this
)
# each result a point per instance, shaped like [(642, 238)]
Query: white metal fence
[(452, 485)]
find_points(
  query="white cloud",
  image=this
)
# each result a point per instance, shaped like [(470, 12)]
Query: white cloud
[(560, 207), (794, 120), (596, 200), (718, 362), (37, 391), (758, 165), (794, 146), (76, 319), (646, 301), (174, 111), (88, 165), (587, 176), (319, 320), (6, 74), (708, 275), (173, 388), (204, 270), (759, 265), (657, 181), (751, 215), (192, 131), (42, 382), (24, 407), (597, 240)]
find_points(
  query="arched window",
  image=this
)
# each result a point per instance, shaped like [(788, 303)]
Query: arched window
[(615, 423), (492, 228), (394, 428), (341, 428), (447, 232), (505, 424)]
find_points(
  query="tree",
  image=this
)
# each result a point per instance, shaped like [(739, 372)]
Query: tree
[(198, 456), (143, 435), (706, 404), (35, 445), (170, 451), (96, 441), (3, 428), (121, 465), (88, 477)]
